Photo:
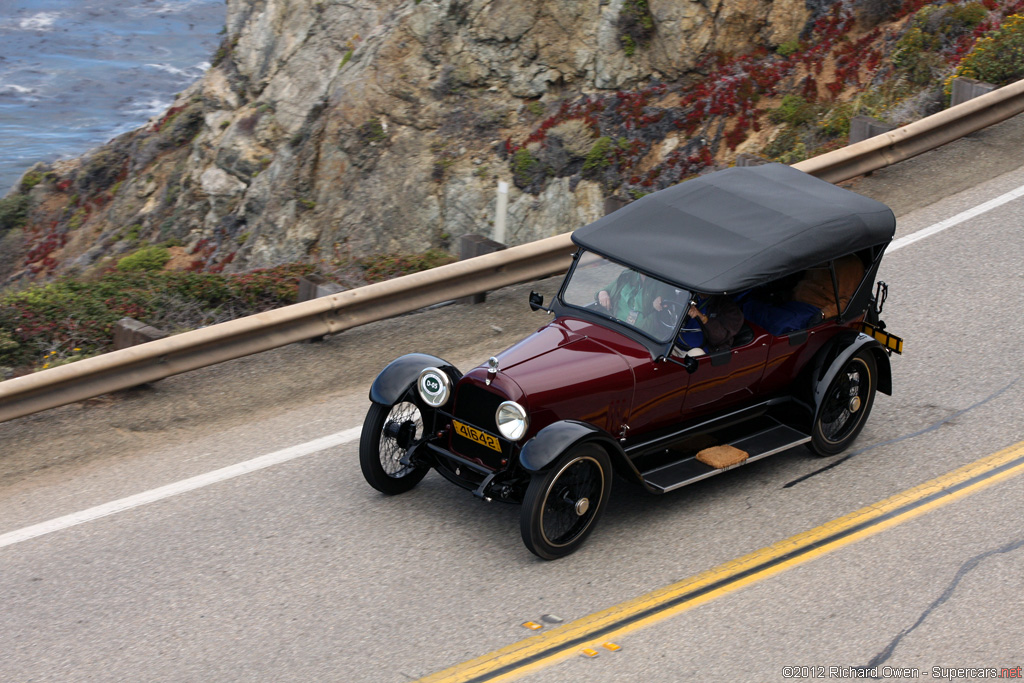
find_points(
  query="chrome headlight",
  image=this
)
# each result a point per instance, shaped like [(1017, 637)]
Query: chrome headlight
[(434, 386), (512, 420)]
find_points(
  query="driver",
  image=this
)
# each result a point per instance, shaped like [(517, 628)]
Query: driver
[(635, 299), (719, 320)]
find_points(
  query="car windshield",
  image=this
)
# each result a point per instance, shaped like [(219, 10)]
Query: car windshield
[(632, 298)]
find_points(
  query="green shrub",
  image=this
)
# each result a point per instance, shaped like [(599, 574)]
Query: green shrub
[(628, 45), (524, 167), (224, 50), (782, 146), (181, 128), (836, 123), (598, 156), (372, 131), (968, 16), (378, 268), (148, 258), (922, 51), (13, 211), (997, 58), (788, 48), (794, 111), (635, 25), (30, 180), (7, 343), (68, 318), (535, 108), (77, 218), (100, 170)]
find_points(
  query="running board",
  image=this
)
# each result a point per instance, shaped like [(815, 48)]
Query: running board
[(689, 470)]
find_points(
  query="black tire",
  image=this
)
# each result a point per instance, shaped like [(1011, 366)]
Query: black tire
[(388, 431), (562, 504), (846, 405)]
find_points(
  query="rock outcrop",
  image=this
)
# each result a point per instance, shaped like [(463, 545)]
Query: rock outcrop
[(333, 130)]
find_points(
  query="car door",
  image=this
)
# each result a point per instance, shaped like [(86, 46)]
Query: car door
[(727, 378), (658, 398)]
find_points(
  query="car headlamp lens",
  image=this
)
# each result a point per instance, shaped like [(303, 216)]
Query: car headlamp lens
[(434, 387), (512, 420)]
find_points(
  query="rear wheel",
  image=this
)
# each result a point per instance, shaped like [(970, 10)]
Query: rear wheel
[(562, 505), (388, 432), (846, 405)]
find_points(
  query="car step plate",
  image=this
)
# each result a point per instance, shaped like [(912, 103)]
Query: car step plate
[(759, 445)]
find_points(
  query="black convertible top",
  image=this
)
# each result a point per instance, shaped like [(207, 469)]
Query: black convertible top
[(734, 229)]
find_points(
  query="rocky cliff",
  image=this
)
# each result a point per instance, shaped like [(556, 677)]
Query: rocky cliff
[(332, 130)]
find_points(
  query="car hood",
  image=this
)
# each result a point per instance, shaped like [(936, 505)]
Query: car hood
[(571, 369)]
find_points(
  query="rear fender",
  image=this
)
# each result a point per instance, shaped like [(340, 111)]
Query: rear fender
[(835, 356), (540, 452), (400, 374)]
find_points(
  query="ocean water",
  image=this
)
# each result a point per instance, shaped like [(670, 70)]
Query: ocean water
[(76, 73)]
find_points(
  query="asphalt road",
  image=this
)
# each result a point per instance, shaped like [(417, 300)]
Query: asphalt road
[(300, 571)]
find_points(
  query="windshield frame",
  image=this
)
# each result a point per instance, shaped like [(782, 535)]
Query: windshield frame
[(594, 313)]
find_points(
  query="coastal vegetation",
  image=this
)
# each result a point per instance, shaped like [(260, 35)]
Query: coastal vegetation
[(72, 318), (785, 105)]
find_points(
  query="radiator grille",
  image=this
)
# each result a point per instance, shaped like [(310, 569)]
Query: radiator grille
[(476, 407)]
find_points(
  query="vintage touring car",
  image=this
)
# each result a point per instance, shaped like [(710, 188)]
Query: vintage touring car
[(635, 376)]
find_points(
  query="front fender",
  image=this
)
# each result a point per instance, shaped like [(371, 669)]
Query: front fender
[(837, 358), (395, 379), (558, 437)]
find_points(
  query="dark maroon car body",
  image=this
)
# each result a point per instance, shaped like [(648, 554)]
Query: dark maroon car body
[(599, 396)]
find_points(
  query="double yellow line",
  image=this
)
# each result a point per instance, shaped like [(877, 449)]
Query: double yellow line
[(547, 648)]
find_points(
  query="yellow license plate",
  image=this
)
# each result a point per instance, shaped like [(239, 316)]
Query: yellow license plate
[(889, 341), (476, 435)]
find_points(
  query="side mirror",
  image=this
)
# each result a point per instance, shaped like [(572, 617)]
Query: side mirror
[(536, 302), (689, 363)]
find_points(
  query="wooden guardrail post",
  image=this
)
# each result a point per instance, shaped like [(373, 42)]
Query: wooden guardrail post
[(743, 159), (313, 287), (864, 127), (471, 246), (130, 332), (965, 89)]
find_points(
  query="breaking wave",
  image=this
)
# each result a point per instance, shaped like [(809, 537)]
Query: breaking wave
[(41, 21)]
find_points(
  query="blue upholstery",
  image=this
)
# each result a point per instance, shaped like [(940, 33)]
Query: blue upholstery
[(782, 318)]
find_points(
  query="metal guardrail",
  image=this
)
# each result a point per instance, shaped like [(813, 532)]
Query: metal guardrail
[(918, 137), (236, 338), (331, 314)]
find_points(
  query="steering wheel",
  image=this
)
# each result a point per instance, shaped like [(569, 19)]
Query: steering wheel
[(671, 311)]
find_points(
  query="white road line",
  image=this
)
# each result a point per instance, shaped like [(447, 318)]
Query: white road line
[(153, 495), (350, 435), (956, 220)]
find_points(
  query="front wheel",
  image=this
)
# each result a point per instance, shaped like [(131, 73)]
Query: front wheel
[(562, 505), (846, 405), (388, 432)]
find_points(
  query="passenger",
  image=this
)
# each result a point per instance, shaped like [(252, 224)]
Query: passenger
[(719, 320), (635, 299)]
